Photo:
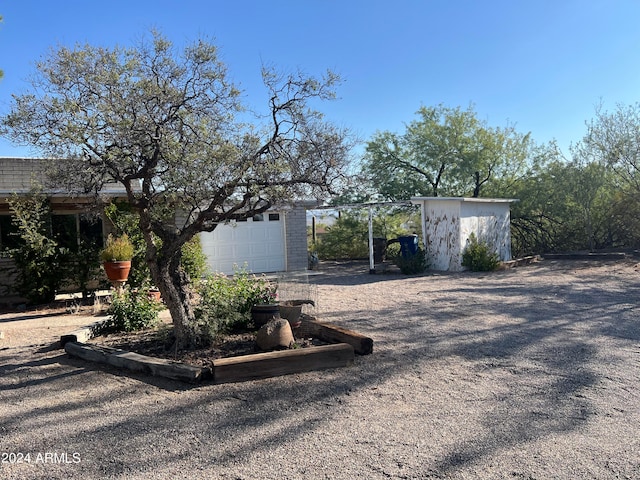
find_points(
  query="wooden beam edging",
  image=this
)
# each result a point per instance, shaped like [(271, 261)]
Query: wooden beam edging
[(281, 362), (231, 369), (331, 333), (135, 362)]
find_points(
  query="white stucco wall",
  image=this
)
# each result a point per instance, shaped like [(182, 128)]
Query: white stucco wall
[(491, 223), (447, 224)]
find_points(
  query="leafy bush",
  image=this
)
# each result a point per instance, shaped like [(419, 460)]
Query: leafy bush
[(478, 257), (130, 311), (412, 264), (38, 257), (225, 302), (194, 261)]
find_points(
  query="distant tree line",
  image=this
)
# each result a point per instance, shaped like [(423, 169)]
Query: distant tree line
[(587, 201)]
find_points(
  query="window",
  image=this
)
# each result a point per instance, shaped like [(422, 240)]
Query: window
[(72, 229), (258, 217), (7, 233), (274, 217)]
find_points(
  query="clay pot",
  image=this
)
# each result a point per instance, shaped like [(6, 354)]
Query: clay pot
[(117, 271)]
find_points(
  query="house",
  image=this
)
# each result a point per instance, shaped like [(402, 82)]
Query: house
[(447, 224), (73, 216), (272, 242)]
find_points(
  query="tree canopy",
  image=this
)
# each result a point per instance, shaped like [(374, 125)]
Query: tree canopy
[(446, 151), (169, 126)]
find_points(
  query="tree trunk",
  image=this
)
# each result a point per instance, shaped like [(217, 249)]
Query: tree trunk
[(175, 289)]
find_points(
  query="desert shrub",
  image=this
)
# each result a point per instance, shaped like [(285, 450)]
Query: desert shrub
[(478, 257), (225, 302), (411, 264), (131, 310)]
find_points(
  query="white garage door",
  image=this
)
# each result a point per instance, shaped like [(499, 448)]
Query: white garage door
[(258, 242)]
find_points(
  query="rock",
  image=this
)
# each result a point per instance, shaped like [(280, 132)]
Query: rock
[(275, 334)]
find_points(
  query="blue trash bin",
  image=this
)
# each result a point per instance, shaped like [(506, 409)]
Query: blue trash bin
[(408, 245)]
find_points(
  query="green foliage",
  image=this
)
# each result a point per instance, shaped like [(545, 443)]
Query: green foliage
[(125, 221), (85, 265), (411, 264), (117, 249), (194, 261), (130, 311), (38, 257), (225, 302), (478, 257), (347, 238)]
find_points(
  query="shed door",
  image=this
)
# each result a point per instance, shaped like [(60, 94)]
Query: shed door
[(258, 242)]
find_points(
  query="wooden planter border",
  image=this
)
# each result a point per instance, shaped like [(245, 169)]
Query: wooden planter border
[(232, 369)]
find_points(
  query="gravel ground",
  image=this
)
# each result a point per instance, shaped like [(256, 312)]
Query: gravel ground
[(528, 373)]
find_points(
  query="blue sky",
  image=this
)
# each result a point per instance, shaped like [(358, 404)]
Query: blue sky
[(541, 65)]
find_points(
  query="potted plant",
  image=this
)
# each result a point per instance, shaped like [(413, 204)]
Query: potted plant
[(262, 297), (117, 255)]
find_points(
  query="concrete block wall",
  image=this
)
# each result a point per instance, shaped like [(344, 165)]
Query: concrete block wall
[(296, 238)]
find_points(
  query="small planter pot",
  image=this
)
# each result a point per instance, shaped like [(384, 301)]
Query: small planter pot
[(117, 271), (261, 314), (154, 294)]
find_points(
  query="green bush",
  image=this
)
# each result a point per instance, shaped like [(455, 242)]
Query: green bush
[(40, 261), (478, 257), (130, 311), (194, 261), (225, 303), (412, 264)]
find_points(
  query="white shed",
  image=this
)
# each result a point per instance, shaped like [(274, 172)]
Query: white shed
[(448, 222)]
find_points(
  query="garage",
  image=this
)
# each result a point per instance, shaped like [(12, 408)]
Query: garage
[(259, 242)]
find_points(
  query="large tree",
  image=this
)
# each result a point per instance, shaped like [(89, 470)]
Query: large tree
[(613, 139), (170, 127), (446, 151)]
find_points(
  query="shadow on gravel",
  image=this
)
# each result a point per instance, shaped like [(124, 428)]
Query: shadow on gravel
[(546, 346)]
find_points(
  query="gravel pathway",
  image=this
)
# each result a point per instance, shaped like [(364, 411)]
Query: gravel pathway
[(528, 373)]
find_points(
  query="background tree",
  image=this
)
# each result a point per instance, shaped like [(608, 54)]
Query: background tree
[(167, 125), (447, 151), (613, 138)]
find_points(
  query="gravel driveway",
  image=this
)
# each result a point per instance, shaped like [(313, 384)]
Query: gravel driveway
[(528, 373)]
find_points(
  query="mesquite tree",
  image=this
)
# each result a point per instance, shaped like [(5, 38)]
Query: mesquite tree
[(170, 127)]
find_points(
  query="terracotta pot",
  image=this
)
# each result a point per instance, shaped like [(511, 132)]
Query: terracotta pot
[(117, 271), (154, 295)]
